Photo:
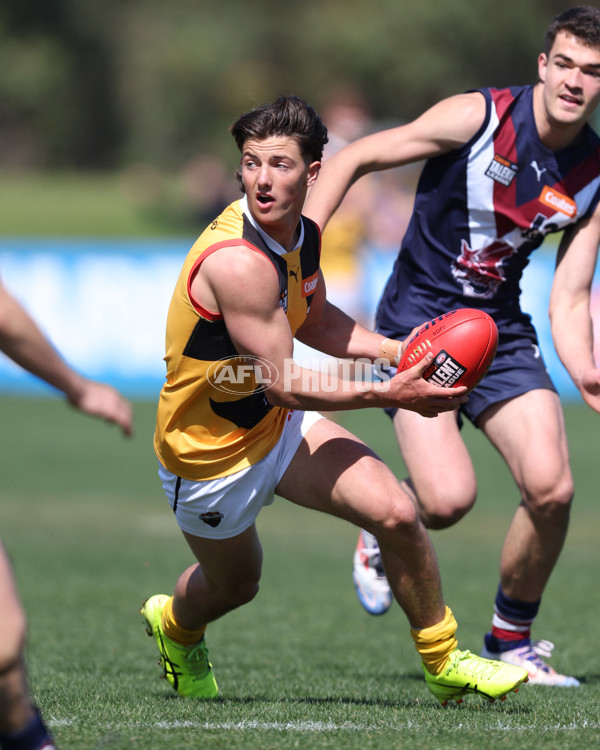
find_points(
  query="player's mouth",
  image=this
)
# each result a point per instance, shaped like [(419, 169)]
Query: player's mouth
[(571, 101), (265, 199)]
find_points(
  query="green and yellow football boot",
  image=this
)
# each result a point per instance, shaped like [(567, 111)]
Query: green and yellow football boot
[(186, 668), (466, 673)]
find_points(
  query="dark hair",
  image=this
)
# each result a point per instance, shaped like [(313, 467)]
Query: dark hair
[(582, 22), (287, 115)]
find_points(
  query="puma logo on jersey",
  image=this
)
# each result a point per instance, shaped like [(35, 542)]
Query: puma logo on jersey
[(293, 273), (539, 172)]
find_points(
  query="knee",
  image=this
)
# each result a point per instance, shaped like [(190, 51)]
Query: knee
[(398, 516), (550, 500), (442, 506), (242, 592), (446, 514)]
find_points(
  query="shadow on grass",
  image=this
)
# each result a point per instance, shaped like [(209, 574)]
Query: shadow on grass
[(472, 703), (423, 700)]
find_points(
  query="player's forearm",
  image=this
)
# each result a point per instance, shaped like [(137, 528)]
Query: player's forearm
[(304, 389), (25, 344), (312, 390), (572, 334), (327, 193), (46, 364), (338, 335)]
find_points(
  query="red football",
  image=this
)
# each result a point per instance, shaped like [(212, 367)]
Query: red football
[(463, 342)]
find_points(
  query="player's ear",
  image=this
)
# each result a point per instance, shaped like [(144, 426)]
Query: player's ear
[(313, 173), (542, 65)]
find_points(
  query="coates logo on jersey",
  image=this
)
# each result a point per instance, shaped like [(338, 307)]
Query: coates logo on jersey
[(242, 375), (558, 201), (310, 284)]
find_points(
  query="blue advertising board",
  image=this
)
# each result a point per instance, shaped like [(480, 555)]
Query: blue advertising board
[(104, 306)]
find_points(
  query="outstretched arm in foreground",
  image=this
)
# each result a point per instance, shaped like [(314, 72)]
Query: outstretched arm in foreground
[(22, 340)]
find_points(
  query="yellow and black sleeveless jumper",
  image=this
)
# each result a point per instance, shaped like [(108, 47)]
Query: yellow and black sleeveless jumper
[(202, 431)]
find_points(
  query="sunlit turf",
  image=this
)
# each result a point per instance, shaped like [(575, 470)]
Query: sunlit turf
[(83, 517)]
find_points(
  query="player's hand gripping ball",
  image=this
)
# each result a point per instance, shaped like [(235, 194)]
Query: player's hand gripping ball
[(463, 342)]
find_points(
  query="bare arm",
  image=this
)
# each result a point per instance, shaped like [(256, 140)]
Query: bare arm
[(23, 341), (445, 126), (330, 330), (258, 327), (571, 322)]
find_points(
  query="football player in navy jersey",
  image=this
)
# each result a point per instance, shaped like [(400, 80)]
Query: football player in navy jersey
[(504, 168)]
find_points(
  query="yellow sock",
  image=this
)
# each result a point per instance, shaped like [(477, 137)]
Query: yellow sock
[(174, 631), (436, 643)]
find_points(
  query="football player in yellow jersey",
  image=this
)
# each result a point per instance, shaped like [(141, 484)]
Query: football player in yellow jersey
[(238, 422)]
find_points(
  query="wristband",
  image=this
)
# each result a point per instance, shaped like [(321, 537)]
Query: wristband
[(390, 350)]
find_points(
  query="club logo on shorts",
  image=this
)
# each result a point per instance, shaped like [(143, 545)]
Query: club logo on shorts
[(213, 518)]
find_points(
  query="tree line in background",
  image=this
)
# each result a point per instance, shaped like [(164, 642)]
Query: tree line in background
[(101, 84)]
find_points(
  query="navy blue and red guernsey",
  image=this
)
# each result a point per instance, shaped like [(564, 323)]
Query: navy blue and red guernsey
[(480, 211), (213, 417)]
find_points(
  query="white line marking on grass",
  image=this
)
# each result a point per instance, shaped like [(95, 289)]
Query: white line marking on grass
[(323, 726), (289, 726)]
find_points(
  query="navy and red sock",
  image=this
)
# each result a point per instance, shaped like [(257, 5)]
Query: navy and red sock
[(34, 736), (511, 624)]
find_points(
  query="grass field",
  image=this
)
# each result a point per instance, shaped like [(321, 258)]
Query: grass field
[(83, 517)]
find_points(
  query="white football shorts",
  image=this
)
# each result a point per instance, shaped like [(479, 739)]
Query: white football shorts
[(222, 508)]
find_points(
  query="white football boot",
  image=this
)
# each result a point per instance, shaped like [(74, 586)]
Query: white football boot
[(371, 584), (530, 658)]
